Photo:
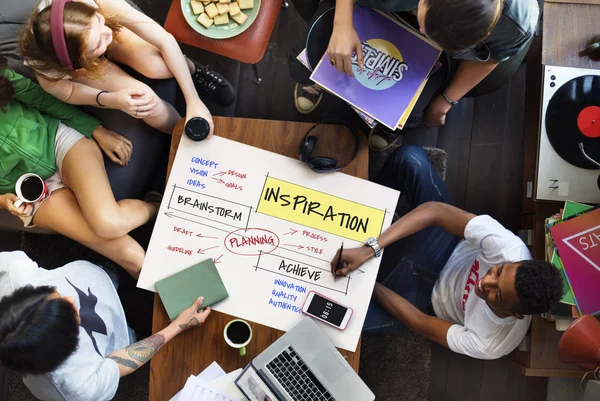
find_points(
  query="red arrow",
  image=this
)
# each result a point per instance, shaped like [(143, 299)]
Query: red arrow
[(220, 180), (295, 246), (217, 260), (292, 232), (204, 236), (201, 251), (219, 174)]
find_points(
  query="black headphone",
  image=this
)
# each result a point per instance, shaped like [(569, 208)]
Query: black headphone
[(322, 164)]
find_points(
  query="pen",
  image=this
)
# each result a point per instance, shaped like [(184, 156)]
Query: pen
[(338, 265)]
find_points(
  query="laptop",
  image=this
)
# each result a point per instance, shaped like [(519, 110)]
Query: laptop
[(302, 365)]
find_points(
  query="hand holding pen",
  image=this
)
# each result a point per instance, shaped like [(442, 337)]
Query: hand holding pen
[(346, 261)]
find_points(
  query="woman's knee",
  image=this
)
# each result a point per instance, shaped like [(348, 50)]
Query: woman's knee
[(130, 257), (108, 224), (154, 66)]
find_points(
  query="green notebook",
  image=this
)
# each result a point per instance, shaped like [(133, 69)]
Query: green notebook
[(180, 290)]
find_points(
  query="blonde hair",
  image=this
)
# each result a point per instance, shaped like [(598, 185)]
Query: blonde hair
[(35, 41)]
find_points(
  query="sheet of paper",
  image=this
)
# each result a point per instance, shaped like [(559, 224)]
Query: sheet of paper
[(272, 227), (198, 390), (212, 372), (226, 385)]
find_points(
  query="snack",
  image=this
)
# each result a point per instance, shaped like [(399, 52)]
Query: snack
[(205, 20), (240, 18), (246, 4), (197, 7), (206, 2), (234, 9), (222, 19), (211, 10), (224, 1), (223, 9)]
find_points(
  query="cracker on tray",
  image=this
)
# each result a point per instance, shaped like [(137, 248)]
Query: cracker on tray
[(246, 4), (211, 10), (234, 9), (222, 19), (223, 8), (205, 20), (240, 18), (197, 7)]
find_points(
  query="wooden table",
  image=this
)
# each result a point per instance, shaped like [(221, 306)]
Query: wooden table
[(192, 351)]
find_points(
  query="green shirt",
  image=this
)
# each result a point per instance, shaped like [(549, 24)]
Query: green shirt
[(28, 126)]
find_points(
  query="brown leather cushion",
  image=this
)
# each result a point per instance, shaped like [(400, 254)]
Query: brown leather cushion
[(248, 47)]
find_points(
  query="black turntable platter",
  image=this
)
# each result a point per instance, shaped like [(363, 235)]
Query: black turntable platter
[(573, 121)]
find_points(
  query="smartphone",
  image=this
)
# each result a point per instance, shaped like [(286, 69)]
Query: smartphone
[(327, 310)]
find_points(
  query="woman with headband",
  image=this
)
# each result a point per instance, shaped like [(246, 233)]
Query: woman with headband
[(481, 34), (42, 135), (73, 48)]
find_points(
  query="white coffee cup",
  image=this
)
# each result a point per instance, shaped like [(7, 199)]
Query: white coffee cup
[(30, 188)]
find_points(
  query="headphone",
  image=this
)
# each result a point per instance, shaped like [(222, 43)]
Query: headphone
[(322, 164)]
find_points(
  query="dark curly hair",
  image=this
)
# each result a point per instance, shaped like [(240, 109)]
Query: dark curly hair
[(37, 334), (539, 286), (6, 89)]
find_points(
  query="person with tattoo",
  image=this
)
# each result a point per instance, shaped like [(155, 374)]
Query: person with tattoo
[(64, 330)]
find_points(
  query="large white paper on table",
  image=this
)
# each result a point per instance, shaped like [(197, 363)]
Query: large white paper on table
[(272, 226)]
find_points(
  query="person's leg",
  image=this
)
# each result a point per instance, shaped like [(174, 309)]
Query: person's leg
[(83, 171), (411, 265), (148, 61), (114, 79), (61, 213)]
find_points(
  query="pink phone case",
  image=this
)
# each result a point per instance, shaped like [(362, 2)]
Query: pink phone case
[(325, 321)]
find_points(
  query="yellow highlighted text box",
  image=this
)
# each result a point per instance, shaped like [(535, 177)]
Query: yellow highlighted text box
[(319, 210)]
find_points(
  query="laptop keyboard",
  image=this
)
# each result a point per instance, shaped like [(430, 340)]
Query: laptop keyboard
[(296, 378)]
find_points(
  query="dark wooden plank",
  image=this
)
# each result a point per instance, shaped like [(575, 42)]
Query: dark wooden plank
[(437, 375), (455, 138), (463, 377), (500, 381)]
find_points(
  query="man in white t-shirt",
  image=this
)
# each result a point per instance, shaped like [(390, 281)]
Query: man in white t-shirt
[(64, 330), (483, 288)]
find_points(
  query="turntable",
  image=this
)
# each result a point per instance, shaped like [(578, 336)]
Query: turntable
[(569, 152)]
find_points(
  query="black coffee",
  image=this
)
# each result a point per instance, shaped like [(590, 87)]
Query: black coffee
[(238, 332), (32, 188)]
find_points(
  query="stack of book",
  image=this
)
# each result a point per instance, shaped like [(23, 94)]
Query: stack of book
[(573, 247), (398, 61)]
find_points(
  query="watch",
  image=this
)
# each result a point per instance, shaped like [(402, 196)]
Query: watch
[(372, 242)]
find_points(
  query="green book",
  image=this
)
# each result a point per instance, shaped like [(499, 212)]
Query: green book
[(180, 290)]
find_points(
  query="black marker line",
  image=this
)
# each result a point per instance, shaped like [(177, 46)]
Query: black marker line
[(383, 221), (304, 263), (262, 191), (206, 218), (248, 220), (258, 261), (299, 279), (314, 228), (214, 197), (171, 198)]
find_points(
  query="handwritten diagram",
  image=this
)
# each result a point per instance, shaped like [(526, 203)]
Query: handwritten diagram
[(272, 227)]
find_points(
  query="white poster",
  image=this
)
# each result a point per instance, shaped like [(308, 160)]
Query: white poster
[(272, 226)]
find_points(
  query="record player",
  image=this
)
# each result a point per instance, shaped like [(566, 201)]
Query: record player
[(569, 150)]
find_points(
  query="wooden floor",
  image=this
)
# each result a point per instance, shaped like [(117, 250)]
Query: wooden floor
[(484, 141)]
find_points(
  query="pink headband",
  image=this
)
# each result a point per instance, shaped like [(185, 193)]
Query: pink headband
[(57, 32)]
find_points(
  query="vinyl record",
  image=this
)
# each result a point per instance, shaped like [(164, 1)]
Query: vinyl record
[(573, 121)]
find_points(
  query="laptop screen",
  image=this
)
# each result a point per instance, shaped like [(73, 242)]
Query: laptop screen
[(253, 387)]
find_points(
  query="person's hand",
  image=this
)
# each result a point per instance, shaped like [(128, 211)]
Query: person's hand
[(435, 115), (352, 259), (192, 316), (7, 201), (344, 41), (135, 102), (117, 147), (198, 109)]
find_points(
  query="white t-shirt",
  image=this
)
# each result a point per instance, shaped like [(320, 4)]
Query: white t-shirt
[(86, 374), (477, 331)]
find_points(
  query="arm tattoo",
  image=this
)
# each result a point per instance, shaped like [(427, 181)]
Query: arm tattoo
[(143, 350), (125, 362), (193, 322)]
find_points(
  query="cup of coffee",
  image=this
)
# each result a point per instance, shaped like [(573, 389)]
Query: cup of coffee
[(30, 188), (238, 334)]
